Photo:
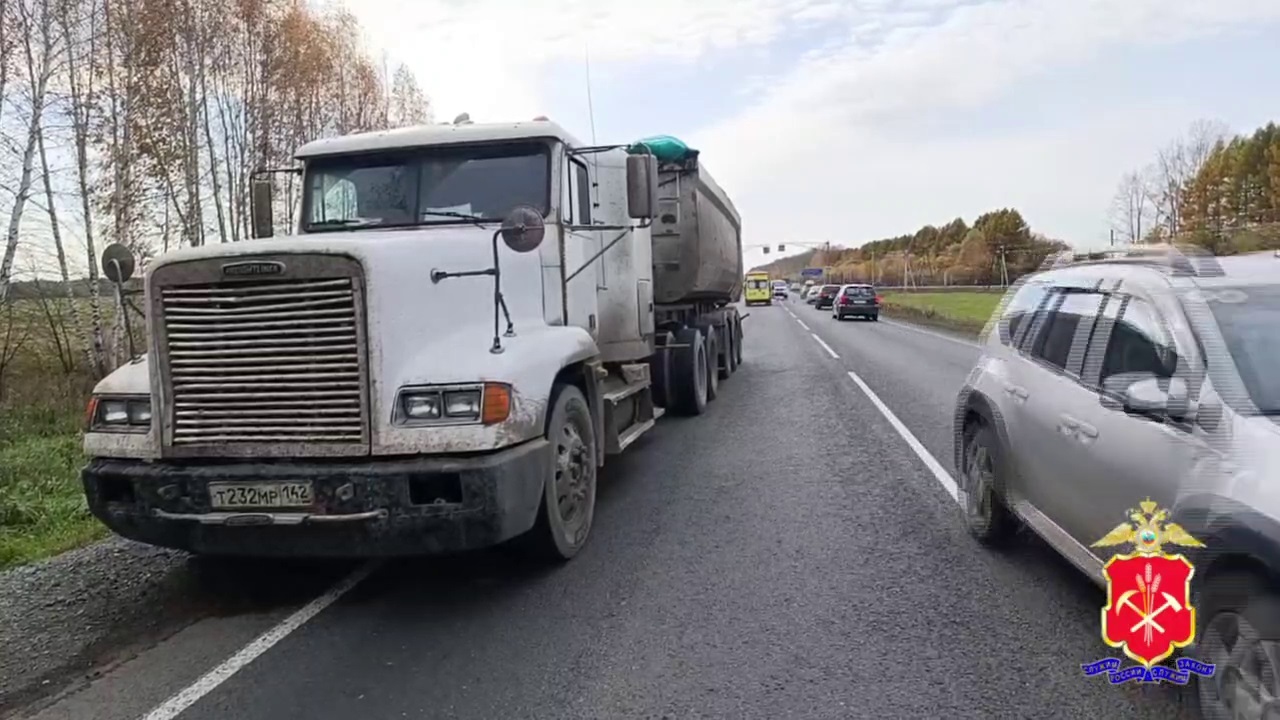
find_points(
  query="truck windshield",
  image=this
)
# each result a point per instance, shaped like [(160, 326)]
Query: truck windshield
[(425, 186), (1249, 329)]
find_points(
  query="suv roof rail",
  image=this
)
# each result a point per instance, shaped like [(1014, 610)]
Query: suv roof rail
[(1183, 260)]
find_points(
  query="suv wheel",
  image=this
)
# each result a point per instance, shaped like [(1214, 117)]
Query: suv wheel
[(985, 513), (1240, 635)]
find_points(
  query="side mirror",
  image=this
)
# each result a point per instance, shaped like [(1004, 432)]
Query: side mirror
[(1151, 395), (261, 207), (117, 263), (523, 229), (642, 186)]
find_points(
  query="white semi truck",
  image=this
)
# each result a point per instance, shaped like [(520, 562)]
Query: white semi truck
[(467, 321)]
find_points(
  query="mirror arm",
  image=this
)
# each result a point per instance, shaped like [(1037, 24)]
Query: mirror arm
[(595, 257), (125, 306)]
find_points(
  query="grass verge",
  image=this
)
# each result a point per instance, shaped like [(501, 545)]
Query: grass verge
[(965, 312), (42, 506)]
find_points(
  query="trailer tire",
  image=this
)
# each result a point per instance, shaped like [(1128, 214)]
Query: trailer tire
[(571, 481), (730, 351), (689, 372), (711, 336), (713, 361), (737, 338)]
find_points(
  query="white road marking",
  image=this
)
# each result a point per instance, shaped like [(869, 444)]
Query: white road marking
[(944, 478), (825, 346), (913, 328), (264, 642), (806, 327)]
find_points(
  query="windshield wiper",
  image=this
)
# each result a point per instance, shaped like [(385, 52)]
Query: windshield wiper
[(346, 222), (473, 219)]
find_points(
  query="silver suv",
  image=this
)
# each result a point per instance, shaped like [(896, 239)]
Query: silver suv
[(1105, 383)]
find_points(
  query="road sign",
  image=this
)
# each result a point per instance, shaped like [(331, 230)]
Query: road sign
[(811, 272)]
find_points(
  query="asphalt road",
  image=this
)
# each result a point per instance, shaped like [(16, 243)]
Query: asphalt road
[(788, 554)]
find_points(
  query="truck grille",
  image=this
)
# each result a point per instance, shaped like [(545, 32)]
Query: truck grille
[(263, 362)]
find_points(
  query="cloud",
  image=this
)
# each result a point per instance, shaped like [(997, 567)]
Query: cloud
[(833, 140), (827, 128), (490, 52)]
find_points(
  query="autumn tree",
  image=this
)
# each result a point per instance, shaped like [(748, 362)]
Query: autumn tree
[(408, 104)]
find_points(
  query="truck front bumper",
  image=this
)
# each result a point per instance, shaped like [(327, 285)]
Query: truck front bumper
[(377, 507)]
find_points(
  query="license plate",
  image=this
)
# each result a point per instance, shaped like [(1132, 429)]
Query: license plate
[(859, 302), (259, 494)]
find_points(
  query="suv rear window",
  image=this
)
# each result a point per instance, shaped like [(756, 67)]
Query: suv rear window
[(830, 288), (860, 291)]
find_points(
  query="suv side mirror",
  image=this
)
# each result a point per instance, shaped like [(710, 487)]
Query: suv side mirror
[(642, 186), (260, 201), (1147, 394)]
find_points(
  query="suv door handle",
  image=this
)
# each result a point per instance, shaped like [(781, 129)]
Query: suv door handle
[(1067, 425), (1017, 392), (1087, 430)]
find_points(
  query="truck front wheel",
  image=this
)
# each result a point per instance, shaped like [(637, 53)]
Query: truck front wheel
[(569, 495)]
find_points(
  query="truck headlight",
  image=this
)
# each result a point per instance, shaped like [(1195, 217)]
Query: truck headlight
[(483, 403), (123, 413)]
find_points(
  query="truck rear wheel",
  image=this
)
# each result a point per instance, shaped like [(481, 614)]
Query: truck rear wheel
[(689, 372), (660, 370), (569, 495), (737, 340), (730, 351)]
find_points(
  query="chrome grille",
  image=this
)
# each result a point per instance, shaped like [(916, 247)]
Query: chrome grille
[(262, 361)]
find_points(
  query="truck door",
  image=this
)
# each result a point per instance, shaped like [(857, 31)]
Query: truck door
[(580, 245)]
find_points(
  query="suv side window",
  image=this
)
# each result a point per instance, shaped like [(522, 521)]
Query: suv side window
[(1138, 341), (1021, 306), (1063, 336)]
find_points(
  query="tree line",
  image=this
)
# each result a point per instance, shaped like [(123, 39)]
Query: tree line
[(996, 249), (1211, 188), (141, 122)]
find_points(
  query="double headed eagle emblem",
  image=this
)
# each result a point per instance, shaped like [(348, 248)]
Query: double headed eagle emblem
[(1148, 530)]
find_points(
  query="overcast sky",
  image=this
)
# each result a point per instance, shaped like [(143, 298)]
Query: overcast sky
[(856, 120)]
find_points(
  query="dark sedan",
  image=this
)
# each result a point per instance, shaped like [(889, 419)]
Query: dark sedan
[(826, 297)]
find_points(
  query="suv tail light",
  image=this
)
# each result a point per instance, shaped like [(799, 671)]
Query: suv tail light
[(846, 300), (879, 299)]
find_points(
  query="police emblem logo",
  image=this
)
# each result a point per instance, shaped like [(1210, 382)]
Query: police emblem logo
[(1148, 615)]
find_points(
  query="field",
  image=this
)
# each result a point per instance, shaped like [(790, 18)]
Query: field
[(43, 388), (966, 311)]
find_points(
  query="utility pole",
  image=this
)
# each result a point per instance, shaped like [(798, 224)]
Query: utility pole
[(1004, 268)]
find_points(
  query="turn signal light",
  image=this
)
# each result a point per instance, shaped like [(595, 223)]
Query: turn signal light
[(90, 412), (496, 406)]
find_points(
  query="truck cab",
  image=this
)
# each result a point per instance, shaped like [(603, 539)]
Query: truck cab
[(458, 329)]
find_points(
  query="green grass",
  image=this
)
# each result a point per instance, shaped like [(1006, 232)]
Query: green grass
[(966, 311), (42, 506)]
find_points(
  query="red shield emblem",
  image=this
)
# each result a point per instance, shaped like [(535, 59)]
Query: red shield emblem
[(1148, 612)]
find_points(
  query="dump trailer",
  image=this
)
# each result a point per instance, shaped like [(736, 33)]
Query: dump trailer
[(465, 323)]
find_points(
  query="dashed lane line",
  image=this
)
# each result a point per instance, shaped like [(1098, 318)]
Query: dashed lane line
[(824, 345), (944, 478)]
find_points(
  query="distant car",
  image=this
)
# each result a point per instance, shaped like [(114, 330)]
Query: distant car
[(780, 290), (859, 301), (811, 294), (795, 287), (826, 297)]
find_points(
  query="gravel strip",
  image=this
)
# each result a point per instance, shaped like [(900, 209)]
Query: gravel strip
[(64, 616)]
